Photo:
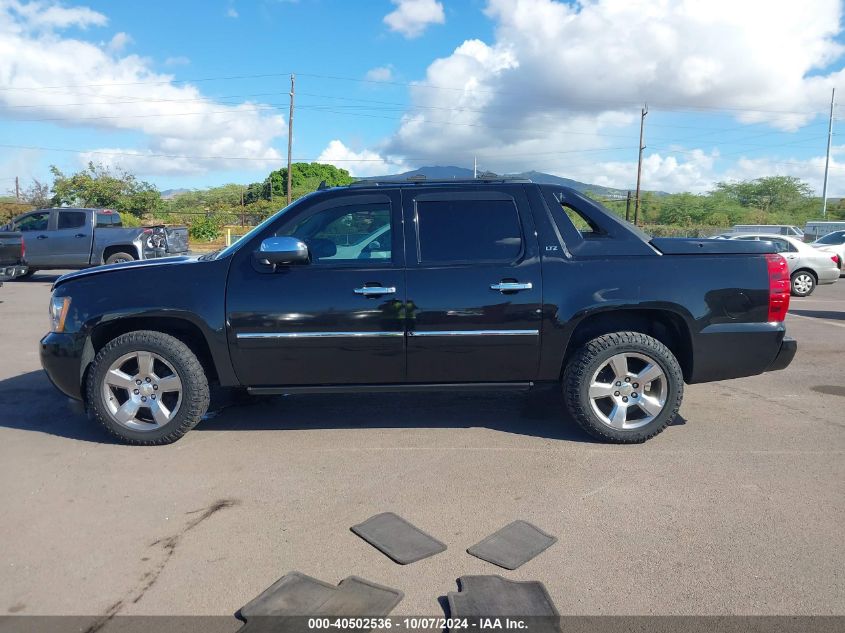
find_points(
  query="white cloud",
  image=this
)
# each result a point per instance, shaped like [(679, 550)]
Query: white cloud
[(380, 73), (232, 13), (119, 42), (364, 163), (47, 75), (412, 17), (49, 15), (571, 76), (178, 60)]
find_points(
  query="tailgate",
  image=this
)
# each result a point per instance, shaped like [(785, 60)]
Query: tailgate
[(176, 239), (691, 246), (10, 248)]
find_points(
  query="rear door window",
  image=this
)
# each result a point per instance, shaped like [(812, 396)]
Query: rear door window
[(71, 219), (466, 230), (33, 222)]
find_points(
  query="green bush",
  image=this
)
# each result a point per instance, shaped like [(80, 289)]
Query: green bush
[(206, 229)]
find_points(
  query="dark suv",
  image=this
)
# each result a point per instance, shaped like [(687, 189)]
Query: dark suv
[(415, 286)]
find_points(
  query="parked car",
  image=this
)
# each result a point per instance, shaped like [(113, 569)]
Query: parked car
[(12, 253), (484, 284), (815, 229), (808, 267), (770, 229), (80, 238), (833, 243)]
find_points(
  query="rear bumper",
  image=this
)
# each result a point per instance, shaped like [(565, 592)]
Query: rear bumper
[(828, 275), (785, 354), (734, 350)]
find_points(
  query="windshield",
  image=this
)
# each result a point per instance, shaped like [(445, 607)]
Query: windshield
[(832, 238), (255, 230)]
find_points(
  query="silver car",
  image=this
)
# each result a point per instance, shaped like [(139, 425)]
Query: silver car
[(833, 243), (808, 266)]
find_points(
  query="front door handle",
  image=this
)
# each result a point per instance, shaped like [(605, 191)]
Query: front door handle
[(41, 237), (80, 235), (375, 291), (511, 286)]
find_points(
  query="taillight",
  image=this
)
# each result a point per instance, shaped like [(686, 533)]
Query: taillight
[(778, 287), (835, 259)]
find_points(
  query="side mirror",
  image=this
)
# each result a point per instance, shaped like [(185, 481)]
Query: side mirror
[(281, 250)]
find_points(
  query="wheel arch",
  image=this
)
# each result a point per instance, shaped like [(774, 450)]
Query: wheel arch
[(110, 250), (180, 328), (667, 326), (804, 269)]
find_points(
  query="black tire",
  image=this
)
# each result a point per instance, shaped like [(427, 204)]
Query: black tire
[(194, 394), (802, 283), (117, 258), (591, 358)]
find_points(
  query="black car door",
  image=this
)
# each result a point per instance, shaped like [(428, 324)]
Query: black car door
[(474, 285), (336, 320)]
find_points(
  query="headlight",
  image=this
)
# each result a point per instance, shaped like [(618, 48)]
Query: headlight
[(58, 313)]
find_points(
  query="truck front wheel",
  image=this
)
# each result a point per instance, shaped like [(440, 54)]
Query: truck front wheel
[(147, 387), (623, 387)]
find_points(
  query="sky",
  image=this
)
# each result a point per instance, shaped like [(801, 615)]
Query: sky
[(190, 94)]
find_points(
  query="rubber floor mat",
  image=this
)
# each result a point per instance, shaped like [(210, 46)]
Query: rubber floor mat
[(513, 545), (292, 594), (296, 594), (398, 539), (491, 596)]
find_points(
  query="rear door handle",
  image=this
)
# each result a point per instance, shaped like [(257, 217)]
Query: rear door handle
[(375, 291), (511, 286), (80, 235), (41, 237)]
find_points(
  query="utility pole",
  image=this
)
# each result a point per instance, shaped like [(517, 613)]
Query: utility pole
[(640, 164), (290, 136), (628, 207), (827, 158), (18, 187)]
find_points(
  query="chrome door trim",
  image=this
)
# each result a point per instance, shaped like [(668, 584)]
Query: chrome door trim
[(275, 335), (474, 333)]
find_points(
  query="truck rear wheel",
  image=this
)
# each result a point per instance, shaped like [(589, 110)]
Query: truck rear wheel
[(623, 387), (118, 258), (147, 388)]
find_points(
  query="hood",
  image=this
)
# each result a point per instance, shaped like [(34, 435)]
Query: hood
[(180, 260)]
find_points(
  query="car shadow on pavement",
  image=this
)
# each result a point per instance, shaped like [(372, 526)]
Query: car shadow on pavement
[(31, 403), (820, 314)]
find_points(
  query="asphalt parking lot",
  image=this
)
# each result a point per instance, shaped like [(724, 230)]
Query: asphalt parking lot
[(739, 508)]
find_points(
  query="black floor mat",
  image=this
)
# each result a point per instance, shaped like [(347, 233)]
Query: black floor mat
[(397, 538), (483, 596), (296, 594), (513, 545)]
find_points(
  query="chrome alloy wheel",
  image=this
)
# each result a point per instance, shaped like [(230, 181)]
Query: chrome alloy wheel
[(628, 391), (142, 391), (803, 283)]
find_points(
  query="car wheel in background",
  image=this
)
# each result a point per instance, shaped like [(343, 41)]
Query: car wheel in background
[(119, 258), (803, 283), (623, 387), (147, 387)]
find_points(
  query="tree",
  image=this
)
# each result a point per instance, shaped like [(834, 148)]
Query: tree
[(97, 186), (36, 195), (772, 193)]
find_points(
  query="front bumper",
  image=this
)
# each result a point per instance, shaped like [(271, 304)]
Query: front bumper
[(785, 354), (62, 357)]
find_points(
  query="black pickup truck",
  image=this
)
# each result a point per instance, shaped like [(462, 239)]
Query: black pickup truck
[(487, 285)]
